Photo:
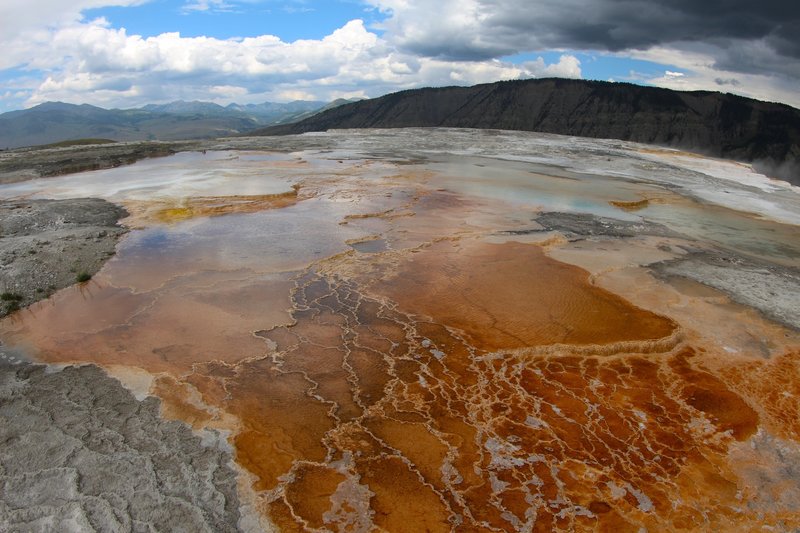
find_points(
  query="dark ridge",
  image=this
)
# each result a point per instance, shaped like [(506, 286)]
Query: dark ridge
[(716, 124)]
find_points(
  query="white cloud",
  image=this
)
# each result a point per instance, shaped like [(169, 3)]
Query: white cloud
[(18, 17), (568, 66), (440, 28), (290, 95), (207, 5), (227, 91), (751, 47), (89, 61), (700, 71), (423, 43), (15, 95)]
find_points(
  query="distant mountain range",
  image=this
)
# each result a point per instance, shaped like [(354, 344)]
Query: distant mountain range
[(716, 124), (56, 121)]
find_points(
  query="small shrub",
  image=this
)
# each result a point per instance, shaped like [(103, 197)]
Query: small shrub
[(83, 277), (10, 297)]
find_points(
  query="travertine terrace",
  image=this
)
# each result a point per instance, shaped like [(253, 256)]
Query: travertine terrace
[(451, 330)]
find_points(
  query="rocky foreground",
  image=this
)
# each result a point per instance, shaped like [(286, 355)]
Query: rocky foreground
[(78, 452), (46, 245)]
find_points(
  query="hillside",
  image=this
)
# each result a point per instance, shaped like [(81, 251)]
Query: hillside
[(721, 125), (56, 121)]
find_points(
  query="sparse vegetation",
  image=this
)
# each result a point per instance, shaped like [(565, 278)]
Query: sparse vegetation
[(11, 300), (76, 142), (83, 277), (10, 297)]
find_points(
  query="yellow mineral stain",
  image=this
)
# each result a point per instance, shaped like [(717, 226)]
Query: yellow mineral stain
[(168, 211), (670, 152), (631, 206)]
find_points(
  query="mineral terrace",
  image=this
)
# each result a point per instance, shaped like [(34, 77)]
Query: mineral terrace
[(403, 330)]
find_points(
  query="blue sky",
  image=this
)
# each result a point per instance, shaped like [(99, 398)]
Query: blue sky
[(288, 20), (126, 53)]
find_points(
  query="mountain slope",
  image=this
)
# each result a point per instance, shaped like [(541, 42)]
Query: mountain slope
[(274, 113), (56, 121), (264, 113), (716, 124)]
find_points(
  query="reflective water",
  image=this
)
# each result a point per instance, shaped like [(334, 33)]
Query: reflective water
[(370, 246), (547, 190), (394, 346), (185, 174), (566, 191)]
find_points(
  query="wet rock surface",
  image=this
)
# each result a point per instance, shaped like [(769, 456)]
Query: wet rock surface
[(585, 225), (30, 163), (481, 369), (770, 288), (45, 245), (80, 453)]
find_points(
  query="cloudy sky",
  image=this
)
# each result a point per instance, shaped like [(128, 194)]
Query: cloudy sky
[(126, 53)]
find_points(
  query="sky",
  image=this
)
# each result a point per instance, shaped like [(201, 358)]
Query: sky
[(127, 53)]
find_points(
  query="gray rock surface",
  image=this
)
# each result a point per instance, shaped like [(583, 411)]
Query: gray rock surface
[(585, 225), (771, 289), (46, 244), (79, 453)]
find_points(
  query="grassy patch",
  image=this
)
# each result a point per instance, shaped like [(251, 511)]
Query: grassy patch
[(77, 142), (83, 277), (11, 301), (10, 297)]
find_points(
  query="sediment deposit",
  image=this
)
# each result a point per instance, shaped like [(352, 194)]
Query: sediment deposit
[(459, 342)]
